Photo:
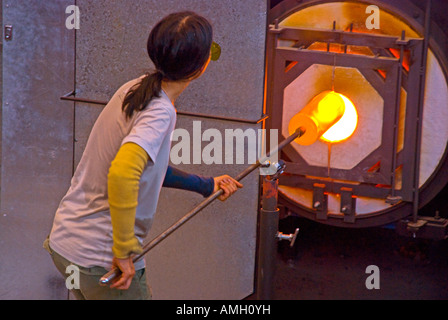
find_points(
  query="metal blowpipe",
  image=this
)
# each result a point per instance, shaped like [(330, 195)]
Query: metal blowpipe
[(115, 272)]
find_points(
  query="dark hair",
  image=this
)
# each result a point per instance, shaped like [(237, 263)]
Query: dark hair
[(179, 46)]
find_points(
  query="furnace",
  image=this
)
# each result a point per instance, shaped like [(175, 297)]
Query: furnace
[(390, 159)]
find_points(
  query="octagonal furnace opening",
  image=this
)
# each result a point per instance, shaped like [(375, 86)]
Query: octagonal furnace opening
[(369, 114)]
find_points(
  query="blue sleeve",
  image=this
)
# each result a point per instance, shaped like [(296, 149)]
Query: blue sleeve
[(178, 179)]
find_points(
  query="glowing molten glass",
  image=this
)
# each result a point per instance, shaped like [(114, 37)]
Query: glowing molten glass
[(346, 126), (318, 116)]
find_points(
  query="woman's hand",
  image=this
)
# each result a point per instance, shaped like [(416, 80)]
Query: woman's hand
[(128, 271), (228, 185)]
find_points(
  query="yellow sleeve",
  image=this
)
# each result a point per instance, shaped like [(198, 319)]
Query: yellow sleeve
[(123, 185)]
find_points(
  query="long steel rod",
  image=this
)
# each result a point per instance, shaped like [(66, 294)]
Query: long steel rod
[(115, 272), (397, 115), (416, 194)]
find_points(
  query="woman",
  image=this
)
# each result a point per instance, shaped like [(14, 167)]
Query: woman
[(108, 210)]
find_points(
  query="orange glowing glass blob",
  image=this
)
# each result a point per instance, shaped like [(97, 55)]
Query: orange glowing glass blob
[(330, 116), (319, 115), (346, 126), (329, 108)]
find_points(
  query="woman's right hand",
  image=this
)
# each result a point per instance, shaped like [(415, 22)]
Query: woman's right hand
[(127, 269)]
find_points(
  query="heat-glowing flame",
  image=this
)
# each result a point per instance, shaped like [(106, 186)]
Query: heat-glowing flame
[(346, 126)]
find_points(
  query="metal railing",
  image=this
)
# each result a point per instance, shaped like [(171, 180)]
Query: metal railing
[(71, 97)]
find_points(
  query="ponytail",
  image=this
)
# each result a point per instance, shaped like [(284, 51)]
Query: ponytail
[(141, 94)]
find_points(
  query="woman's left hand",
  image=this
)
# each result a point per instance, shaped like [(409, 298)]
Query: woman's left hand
[(228, 185)]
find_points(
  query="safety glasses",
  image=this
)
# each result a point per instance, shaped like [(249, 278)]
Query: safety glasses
[(215, 51)]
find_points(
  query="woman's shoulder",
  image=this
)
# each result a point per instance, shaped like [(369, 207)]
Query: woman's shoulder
[(161, 102)]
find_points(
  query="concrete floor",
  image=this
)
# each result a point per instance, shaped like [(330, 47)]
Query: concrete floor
[(330, 263)]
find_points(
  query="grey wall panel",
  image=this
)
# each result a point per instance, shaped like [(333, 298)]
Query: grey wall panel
[(112, 49), (1, 82), (212, 257), (38, 67)]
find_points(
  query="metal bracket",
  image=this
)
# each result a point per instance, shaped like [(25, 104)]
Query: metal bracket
[(8, 32), (275, 27), (393, 199), (279, 168), (320, 201), (348, 205), (415, 226), (434, 228), (289, 237)]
